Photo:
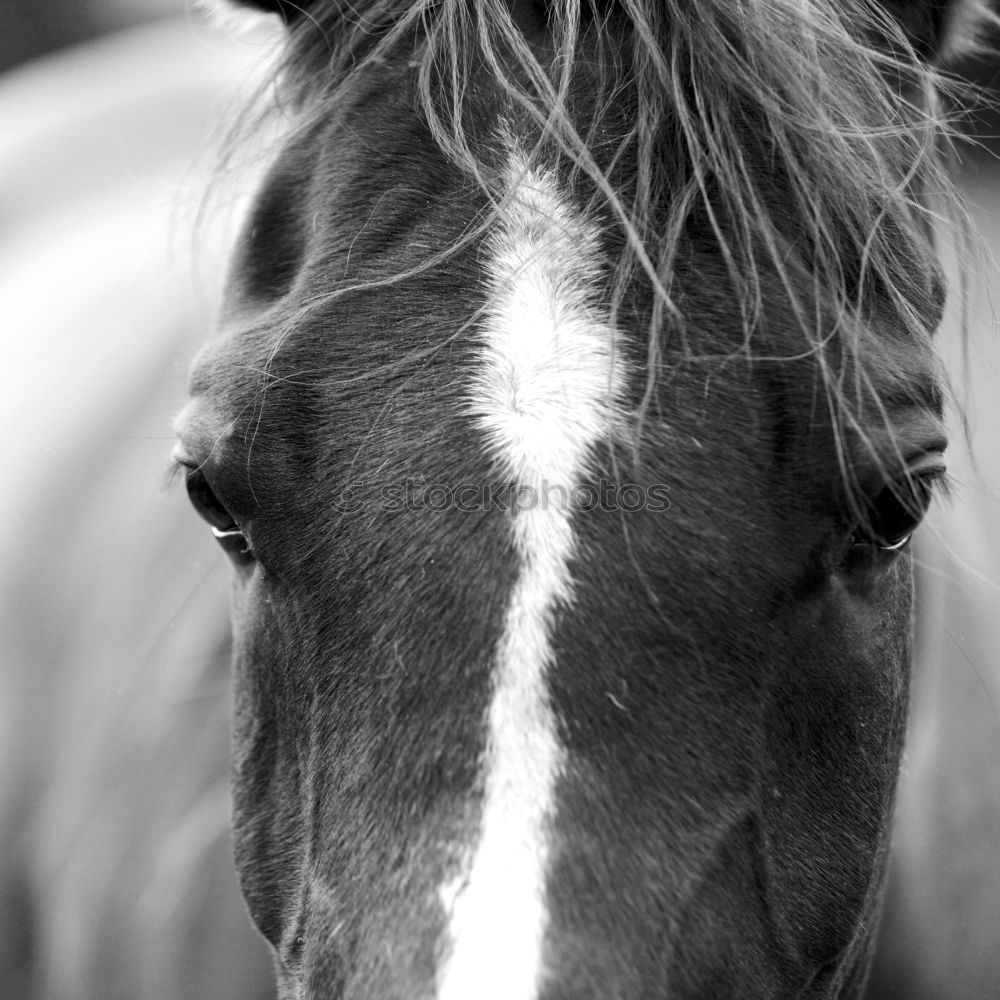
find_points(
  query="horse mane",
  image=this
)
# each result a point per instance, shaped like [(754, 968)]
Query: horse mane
[(835, 100)]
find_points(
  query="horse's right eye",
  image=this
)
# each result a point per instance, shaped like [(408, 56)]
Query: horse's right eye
[(211, 509)]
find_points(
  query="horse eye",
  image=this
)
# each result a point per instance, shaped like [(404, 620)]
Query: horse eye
[(209, 507), (893, 514), (212, 510)]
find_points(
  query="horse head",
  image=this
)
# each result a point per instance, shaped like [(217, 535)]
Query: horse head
[(574, 405)]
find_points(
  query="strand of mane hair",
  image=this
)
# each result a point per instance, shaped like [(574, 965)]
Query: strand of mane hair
[(834, 96)]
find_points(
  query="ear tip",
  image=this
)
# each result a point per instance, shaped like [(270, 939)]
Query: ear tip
[(287, 10), (942, 30), (970, 24)]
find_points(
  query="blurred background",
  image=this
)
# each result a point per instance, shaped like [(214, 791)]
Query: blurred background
[(116, 875), (116, 878), (30, 28)]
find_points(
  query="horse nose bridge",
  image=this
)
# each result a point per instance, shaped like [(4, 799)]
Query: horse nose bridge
[(546, 393)]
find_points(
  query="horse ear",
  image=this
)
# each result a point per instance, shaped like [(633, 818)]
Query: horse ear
[(288, 10), (939, 30)]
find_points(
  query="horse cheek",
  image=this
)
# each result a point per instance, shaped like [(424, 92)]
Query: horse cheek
[(834, 742), (265, 776)]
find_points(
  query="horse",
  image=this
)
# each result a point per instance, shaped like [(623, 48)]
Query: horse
[(573, 408)]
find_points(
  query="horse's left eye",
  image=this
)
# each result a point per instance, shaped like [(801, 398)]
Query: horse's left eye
[(212, 510), (894, 513)]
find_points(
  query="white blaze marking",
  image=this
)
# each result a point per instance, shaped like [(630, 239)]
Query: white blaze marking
[(544, 398)]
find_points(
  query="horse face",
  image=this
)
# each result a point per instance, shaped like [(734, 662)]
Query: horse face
[(558, 672)]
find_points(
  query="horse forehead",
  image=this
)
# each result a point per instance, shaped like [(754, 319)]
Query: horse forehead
[(357, 201)]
